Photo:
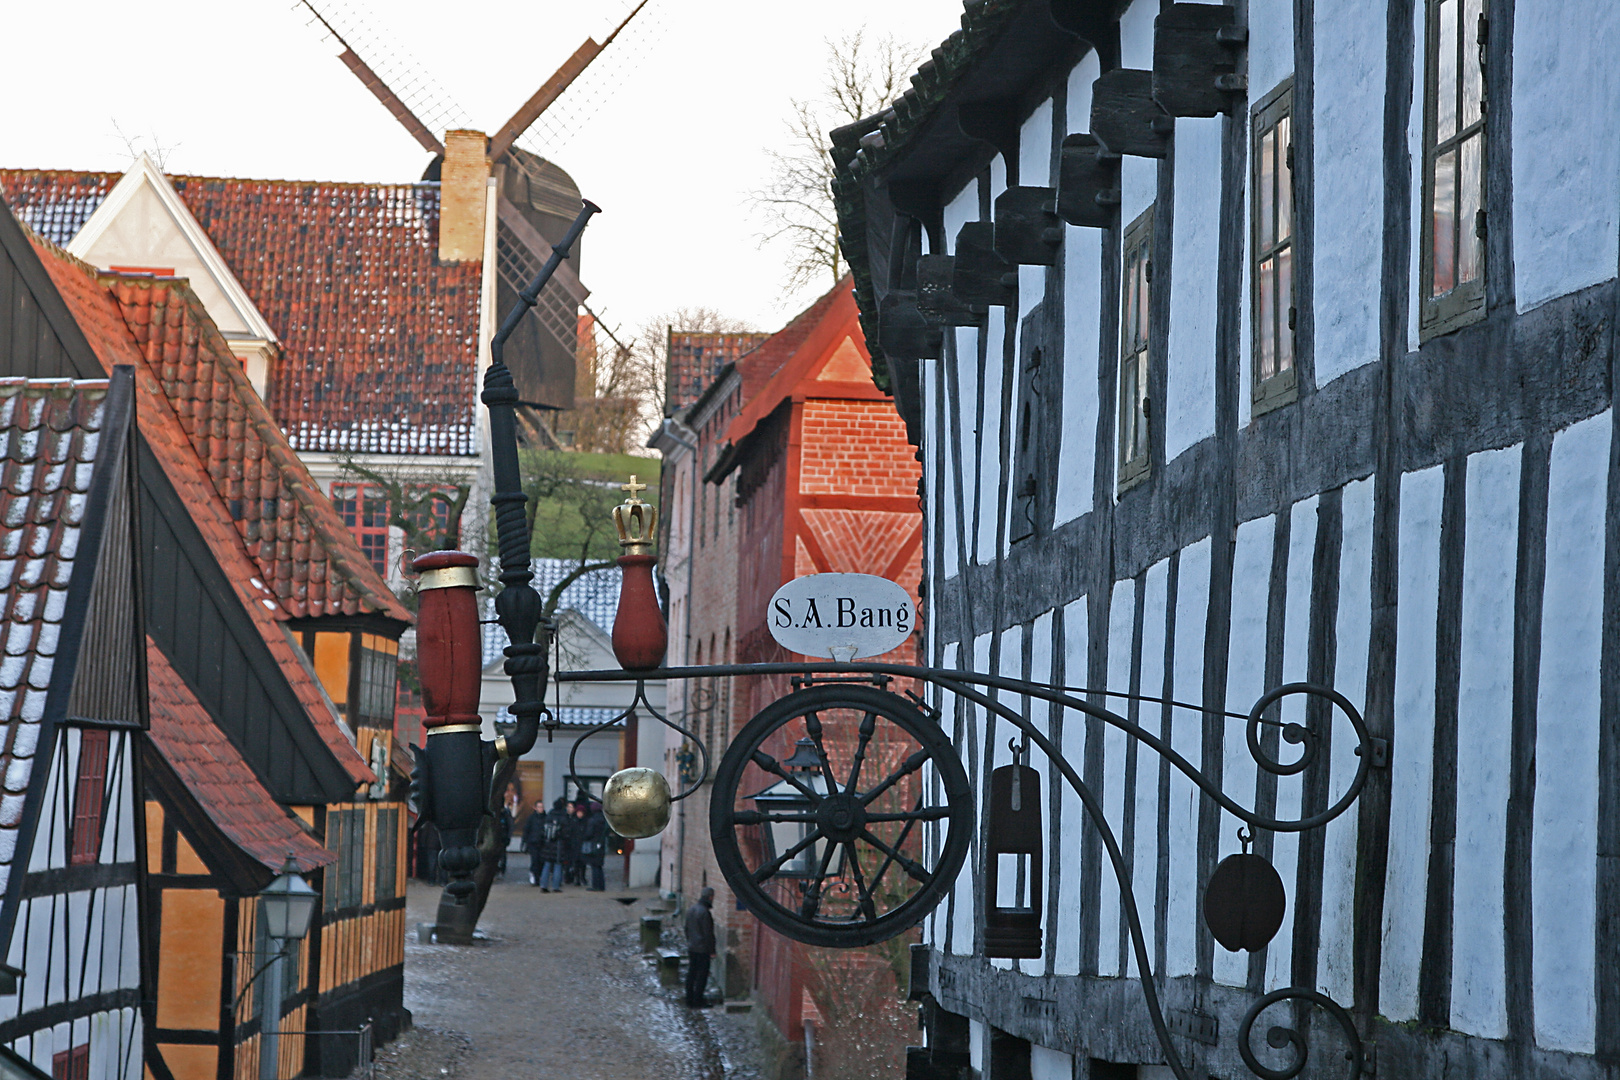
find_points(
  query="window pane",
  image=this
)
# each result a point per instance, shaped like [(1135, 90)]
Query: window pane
[(1265, 318), (1142, 296), (1285, 300), (1139, 449), (1442, 214), (1473, 87), (1285, 183), (1445, 113), (1128, 319), (1469, 255), (1268, 180), (1127, 408)]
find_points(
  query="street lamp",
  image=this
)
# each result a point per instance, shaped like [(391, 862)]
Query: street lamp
[(288, 904), (788, 814)]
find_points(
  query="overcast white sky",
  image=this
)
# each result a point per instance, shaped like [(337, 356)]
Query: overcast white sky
[(248, 88)]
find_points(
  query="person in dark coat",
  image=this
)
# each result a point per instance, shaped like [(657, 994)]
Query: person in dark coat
[(575, 854), (503, 830), (593, 844), (699, 948), (534, 841)]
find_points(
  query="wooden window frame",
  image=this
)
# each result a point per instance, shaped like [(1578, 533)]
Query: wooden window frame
[(1282, 386), (352, 502), (386, 886), (1138, 240), (90, 796), (1464, 303)]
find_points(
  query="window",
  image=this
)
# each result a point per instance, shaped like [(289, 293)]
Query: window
[(364, 509), (1453, 254), (379, 661), (1134, 406), (387, 886), (71, 1064), (345, 838), (89, 796), (1273, 285)]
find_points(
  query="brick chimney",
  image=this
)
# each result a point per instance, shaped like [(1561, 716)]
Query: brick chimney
[(462, 182)]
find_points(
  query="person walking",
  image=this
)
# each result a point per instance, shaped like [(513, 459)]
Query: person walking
[(503, 830), (593, 844), (699, 948), (534, 841), (573, 844)]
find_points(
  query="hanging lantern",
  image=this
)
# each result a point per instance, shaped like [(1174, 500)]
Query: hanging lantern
[(1013, 864), (785, 797), (1244, 901)]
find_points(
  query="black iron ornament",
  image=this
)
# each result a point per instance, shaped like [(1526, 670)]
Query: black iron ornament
[(1244, 902), (924, 790), (1013, 863)]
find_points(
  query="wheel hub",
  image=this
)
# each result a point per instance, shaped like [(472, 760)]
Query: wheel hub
[(841, 817)]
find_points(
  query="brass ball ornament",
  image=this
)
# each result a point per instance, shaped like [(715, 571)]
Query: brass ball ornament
[(636, 802)]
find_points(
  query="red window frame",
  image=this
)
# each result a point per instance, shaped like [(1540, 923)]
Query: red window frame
[(72, 1064), (364, 509), (89, 796)]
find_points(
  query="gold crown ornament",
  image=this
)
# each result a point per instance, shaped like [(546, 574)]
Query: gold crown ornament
[(636, 521)]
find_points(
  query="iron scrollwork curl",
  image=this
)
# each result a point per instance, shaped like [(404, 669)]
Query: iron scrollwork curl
[(641, 699), (1279, 1037)]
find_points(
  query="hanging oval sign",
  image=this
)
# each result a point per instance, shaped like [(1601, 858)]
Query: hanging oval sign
[(841, 616), (1244, 903)]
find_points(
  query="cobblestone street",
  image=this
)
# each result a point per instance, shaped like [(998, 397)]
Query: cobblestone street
[(559, 990)]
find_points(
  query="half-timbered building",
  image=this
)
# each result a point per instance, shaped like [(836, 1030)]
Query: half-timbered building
[(72, 838), (1250, 344), (246, 563)]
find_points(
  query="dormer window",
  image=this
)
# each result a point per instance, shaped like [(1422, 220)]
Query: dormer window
[(1453, 254)]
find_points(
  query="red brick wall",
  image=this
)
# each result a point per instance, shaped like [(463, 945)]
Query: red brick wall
[(856, 448)]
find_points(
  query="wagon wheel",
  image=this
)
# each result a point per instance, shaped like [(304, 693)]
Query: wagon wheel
[(859, 834)]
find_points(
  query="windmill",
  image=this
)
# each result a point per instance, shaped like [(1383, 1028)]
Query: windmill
[(537, 199)]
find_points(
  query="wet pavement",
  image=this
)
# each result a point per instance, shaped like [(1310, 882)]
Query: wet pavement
[(559, 989)]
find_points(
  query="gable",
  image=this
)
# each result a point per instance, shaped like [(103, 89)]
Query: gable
[(846, 364), (143, 224), (39, 338)]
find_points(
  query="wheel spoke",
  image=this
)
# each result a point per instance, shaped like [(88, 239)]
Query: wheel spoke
[(907, 767), (774, 767), (931, 813), (760, 817), (766, 872), (868, 908), (910, 819), (812, 895), (868, 725), (812, 724), (908, 864)]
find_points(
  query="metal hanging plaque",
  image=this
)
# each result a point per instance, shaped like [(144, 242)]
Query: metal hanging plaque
[(841, 616)]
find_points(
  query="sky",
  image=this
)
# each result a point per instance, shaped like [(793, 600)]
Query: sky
[(668, 132)]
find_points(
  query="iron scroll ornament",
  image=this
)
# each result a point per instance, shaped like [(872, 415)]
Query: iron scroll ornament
[(965, 684), (855, 829)]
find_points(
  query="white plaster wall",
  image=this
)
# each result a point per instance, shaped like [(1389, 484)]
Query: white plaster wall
[(962, 915), (989, 482), (1076, 641), (1296, 636), (978, 1038), (946, 505), (1349, 165), (1136, 34), (1144, 869), (1566, 222), (1082, 290), (1271, 45), (944, 914), (1245, 682), (1121, 623), (1564, 853), (1011, 666), (1138, 187), (1187, 736), (964, 207), (1189, 406), (1035, 147), (1335, 959), (1048, 1064), (1484, 743), (1412, 744)]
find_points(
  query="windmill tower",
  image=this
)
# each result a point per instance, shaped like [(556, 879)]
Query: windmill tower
[(537, 198)]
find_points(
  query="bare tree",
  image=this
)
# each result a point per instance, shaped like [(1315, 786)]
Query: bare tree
[(861, 78)]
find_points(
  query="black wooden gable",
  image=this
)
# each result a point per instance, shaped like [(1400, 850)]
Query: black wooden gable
[(192, 611)]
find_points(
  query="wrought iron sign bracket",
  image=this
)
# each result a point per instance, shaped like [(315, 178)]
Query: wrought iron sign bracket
[(812, 824)]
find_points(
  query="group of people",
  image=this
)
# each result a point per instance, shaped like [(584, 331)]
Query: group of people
[(566, 844)]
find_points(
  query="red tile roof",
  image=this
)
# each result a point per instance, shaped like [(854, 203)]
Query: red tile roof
[(99, 315), (775, 368), (217, 776), (48, 434), (306, 555), (379, 339), (694, 358)]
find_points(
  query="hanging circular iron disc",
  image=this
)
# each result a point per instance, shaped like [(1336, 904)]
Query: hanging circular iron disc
[(1244, 903)]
